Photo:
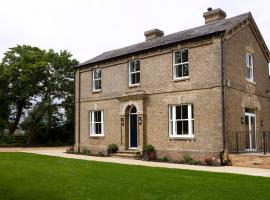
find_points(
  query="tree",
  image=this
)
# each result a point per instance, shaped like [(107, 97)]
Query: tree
[(54, 111), (23, 70)]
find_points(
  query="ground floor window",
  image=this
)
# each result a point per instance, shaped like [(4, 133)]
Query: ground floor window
[(181, 121), (96, 123)]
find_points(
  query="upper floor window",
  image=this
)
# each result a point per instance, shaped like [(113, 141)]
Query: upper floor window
[(180, 65), (134, 72), (181, 121), (96, 123), (97, 79), (249, 66)]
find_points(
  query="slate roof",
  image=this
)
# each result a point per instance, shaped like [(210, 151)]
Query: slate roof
[(207, 29)]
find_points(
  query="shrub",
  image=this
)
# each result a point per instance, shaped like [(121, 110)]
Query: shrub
[(70, 150), (148, 148), (149, 152), (187, 159), (112, 148), (163, 159), (86, 152), (209, 161)]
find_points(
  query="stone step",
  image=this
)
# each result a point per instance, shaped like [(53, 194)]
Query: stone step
[(136, 155), (130, 152)]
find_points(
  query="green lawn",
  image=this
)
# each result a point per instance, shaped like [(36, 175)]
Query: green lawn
[(28, 176)]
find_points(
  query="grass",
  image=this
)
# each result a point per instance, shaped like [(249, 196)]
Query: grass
[(35, 177)]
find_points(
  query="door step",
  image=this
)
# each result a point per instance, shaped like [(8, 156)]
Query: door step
[(128, 154)]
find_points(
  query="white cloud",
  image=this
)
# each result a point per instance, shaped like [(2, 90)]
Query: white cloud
[(87, 28)]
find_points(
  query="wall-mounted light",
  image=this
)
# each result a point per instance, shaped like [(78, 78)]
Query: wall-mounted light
[(242, 120), (140, 120), (122, 121), (261, 122)]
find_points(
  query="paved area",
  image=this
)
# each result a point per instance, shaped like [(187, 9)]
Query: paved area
[(60, 152)]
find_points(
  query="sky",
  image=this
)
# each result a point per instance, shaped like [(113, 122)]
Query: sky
[(87, 28)]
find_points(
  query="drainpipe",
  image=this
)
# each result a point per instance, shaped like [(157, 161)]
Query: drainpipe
[(222, 101), (79, 110)]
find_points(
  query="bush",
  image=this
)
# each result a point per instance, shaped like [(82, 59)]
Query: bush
[(209, 161), (187, 159), (163, 159), (16, 140), (149, 152), (70, 150), (112, 148), (86, 152), (148, 148)]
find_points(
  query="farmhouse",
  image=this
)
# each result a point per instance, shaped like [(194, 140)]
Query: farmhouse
[(204, 91)]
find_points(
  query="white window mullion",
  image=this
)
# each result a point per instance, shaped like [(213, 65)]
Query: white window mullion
[(190, 131), (174, 120), (102, 123)]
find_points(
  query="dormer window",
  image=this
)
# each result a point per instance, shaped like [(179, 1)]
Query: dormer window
[(97, 80), (249, 67), (180, 65), (134, 73)]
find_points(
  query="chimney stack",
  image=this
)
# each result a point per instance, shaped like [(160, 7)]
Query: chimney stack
[(152, 34), (214, 15)]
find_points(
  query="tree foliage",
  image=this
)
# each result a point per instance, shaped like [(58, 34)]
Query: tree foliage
[(37, 89)]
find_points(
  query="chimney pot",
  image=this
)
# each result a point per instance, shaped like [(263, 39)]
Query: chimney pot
[(214, 15), (152, 34)]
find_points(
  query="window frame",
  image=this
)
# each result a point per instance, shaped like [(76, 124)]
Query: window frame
[(178, 64), (92, 122), (96, 79), (172, 128), (251, 67), (135, 72)]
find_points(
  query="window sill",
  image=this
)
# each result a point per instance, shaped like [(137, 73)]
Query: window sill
[(134, 85), (181, 137), (96, 91), (250, 81), (96, 136), (186, 78)]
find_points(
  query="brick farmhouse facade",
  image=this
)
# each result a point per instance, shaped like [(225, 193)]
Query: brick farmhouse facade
[(180, 92)]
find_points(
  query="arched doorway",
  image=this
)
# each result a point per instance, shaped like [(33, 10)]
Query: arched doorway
[(133, 128)]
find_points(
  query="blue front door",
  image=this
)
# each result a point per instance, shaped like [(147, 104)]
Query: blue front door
[(133, 131)]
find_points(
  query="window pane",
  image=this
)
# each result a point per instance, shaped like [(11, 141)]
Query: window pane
[(249, 73), (185, 70), (178, 71), (97, 116), (98, 128), (97, 73), (132, 78), (170, 112), (137, 76), (185, 56), (192, 112), (131, 66), (178, 112), (249, 60), (137, 65), (171, 127), (177, 57), (97, 85), (179, 128), (185, 127), (185, 112), (192, 126)]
